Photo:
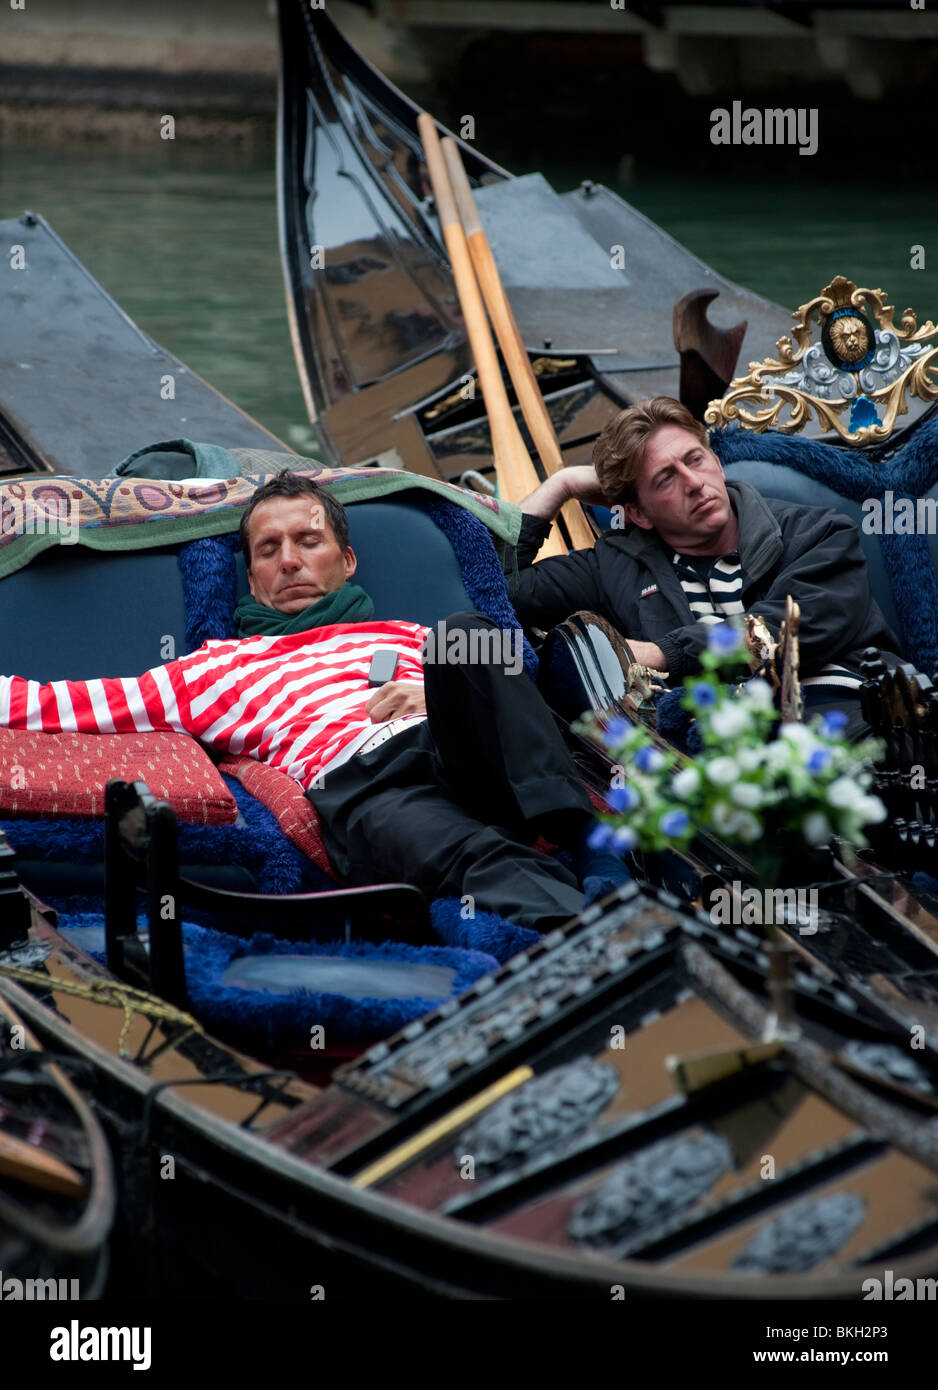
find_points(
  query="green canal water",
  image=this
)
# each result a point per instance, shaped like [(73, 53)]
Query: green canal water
[(186, 242)]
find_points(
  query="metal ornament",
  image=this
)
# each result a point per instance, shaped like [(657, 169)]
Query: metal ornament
[(870, 369), (539, 1116), (804, 1235), (650, 1189)]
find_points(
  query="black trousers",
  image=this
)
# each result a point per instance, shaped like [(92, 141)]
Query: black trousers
[(452, 804), (824, 699)]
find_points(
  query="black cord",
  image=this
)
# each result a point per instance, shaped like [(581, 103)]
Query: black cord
[(237, 1079)]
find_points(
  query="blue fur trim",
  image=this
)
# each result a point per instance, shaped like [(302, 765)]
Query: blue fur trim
[(209, 588), (478, 562), (282, 868), (909, 471), (483, 932), (675, 723), (255, 1017), (255, 841)]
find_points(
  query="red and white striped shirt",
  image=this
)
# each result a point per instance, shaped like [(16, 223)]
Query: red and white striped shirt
[(295, 702)]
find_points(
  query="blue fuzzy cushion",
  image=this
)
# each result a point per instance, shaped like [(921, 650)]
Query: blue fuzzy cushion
[(675, 723), (908, 469), (210, 588), (485, 931), (271, 1020)]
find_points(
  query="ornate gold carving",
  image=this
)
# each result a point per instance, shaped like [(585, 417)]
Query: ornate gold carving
[(760, 644), (851, 338), (779, 661), (854, 358), (791, 701)]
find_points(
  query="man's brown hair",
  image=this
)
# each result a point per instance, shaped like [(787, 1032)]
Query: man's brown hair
[(620, 448), (286, 483)]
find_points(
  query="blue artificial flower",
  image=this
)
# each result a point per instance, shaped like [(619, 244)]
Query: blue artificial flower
[(674, 823), (833, 724), (624, 839), (703, 694), (863, 412), (615, 731), (622, 799), (600, 837), (723, 639), (819, 760), (648, 760)]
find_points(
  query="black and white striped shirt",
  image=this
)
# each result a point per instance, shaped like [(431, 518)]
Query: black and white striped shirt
[(713, 586)]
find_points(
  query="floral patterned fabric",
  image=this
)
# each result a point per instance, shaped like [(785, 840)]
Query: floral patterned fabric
[(137, 513), (285, 799), (66, 774)]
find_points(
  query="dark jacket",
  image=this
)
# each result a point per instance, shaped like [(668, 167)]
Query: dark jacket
[(629, 577)]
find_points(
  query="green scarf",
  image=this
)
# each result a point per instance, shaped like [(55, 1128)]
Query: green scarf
[(350, 604)]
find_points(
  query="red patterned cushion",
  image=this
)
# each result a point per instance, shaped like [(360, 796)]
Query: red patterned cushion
[(285, 799), (66, 774)]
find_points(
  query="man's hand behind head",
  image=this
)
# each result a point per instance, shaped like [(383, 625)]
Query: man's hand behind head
[(583, 484), (579, 481)]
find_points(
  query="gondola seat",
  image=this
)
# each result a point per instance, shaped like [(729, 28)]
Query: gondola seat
[(850, 368), (79, 612), (856, 383), (260, 992), (279, 961), (903, 570)]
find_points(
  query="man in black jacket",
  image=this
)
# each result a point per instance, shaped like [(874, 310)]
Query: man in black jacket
[(696, 550)]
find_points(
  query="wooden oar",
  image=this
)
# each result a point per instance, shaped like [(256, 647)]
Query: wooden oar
[(515, 355), (30, 1164), (514, 470), (27, 1162)]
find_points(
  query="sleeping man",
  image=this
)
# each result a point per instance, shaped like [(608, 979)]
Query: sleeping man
[(442, 775), (698, 550)]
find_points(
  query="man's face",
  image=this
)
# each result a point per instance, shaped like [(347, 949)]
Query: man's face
[(295, 557), (681, 492)]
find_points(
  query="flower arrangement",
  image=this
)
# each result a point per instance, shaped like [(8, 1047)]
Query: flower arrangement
[(778, 797)]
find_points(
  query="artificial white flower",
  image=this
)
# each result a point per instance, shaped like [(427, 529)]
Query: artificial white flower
[(777, 755), (624, 838), (750, 759), (870, 810), (816, 828), (730, 719), (843, 793), (748, 827), (746, 794), (686, 783), (722, 771), (725, 818), (758, 693), (800, 735)]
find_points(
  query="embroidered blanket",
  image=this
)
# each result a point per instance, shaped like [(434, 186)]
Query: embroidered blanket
[(138, 513)]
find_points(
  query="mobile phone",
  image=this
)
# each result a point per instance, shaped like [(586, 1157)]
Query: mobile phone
[(383, 665)]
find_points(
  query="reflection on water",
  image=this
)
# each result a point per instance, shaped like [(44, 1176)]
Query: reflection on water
[(787, 242), (186, 240)]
